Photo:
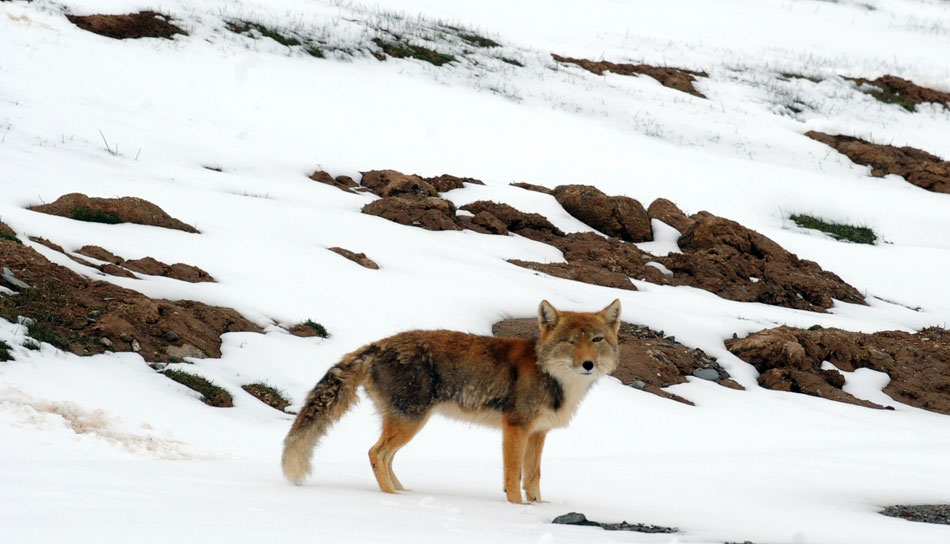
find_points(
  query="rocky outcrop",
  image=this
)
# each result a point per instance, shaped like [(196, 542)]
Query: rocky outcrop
[(497, 218), (674, 78), (916, 166), (790, 359), (126, 209)]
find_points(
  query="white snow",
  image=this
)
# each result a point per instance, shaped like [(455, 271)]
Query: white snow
[(104, 449)]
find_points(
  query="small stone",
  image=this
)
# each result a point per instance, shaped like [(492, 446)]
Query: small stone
[(127, 338), (12, 281), (105, 341), (171, 336), (637, 384), (135, 346), (573, 518), (734, 335), (710, 374)]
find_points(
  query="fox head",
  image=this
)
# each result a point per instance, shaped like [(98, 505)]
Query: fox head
[(578, 343)]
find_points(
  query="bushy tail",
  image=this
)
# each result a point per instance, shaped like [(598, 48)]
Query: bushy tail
[(333, 395)]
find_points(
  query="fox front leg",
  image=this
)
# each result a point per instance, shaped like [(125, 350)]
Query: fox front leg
[(513, 443)]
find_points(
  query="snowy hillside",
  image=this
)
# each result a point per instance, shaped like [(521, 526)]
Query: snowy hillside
[(221, 126)]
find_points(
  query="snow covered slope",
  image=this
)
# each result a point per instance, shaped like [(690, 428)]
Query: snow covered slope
[(221, 130)]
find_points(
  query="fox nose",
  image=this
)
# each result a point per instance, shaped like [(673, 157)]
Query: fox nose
[(588, 365)]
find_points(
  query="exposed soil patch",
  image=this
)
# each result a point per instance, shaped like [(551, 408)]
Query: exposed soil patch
[(127, 209), (907, 94), (89, 317), (926, 513), (618, 216), (497, 218), (674, 78), (344, 183), (145, 24), (309, 329), (737, 263), (648, 359), (789, 359), (358, 258), (533, 187), (211, 394), (430, 213), (916, 166)]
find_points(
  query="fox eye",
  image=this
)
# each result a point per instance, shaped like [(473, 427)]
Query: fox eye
[(597, 339)]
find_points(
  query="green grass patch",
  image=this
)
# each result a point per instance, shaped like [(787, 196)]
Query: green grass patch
[(850, 233), (211, 394), (241, 26), (269, 395), (513, 62), (476, 40), (793, 75), (5, 351), (95, 215), (12, 238), (31, 344), (816, 328), (318, 328), (890, 97), (399, 49)]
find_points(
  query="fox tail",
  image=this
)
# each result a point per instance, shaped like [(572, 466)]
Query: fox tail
[(333, 395)]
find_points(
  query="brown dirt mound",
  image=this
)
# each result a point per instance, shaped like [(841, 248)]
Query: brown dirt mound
[(87, 317), (344, 183), (664, 210), (902, 91), (737, 263), (648, 359), (358, 258), (618, 216), (789, 359), (390, 183), (498, 218), (533, 187), (117, 266), (127, 209), (674, 78), (145, 24), (268, 395), (916, 166), (430, 213), (447, 182)]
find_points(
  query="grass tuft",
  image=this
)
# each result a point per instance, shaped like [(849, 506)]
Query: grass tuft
[(241, 26), (399, 50), (211, 394), (12, 238), (5, 351), (318, 328), (95, 215), (890, 97), (850, 233), (476, 40), (31, 344), (271, 396), (513, 62)]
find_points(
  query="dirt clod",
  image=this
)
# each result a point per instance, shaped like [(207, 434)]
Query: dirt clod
[(144, 24), (790, 359), (618, 216), (430, 213), (358, 258), (674, 78), (128, 209), (916, 166)]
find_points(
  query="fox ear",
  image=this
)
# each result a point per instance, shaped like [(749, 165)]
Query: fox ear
[(611, 314), (547, 316)]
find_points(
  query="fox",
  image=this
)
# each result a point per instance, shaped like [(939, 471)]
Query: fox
[(523, 386)]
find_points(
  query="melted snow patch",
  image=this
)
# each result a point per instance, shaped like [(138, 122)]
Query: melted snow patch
[(44, 415)]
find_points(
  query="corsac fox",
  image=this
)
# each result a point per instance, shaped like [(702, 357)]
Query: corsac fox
[(521, 385)]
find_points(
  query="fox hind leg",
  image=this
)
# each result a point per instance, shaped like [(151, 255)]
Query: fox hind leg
[(397, 432)]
